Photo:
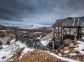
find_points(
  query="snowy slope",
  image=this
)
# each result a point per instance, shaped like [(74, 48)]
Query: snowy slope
[(8, 50)]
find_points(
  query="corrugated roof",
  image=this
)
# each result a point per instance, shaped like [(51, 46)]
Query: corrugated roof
[(70, 22)]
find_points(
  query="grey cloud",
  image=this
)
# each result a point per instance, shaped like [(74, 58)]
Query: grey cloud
[(35, 10)]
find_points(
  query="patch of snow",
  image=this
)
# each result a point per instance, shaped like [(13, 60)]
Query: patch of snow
[(6, 53), (81, 46), (8, 50), (62, 58), (82, 37), (26, 49), (12, 40), (83, 31), (5, 46), (44, 42), (21, 45)]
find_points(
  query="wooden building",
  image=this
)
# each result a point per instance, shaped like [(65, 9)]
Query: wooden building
[(71, 28)]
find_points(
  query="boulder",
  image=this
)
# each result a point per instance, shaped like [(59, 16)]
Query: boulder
[(61, 51), (76, 46), (66, 52), (71, 45), (76, 51), (72, 54), (66, 48)]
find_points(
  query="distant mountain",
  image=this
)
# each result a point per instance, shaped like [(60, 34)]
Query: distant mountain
[(3, 27), (34, 26)]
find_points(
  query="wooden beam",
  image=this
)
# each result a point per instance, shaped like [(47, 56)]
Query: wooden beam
[(54, 33), (62, 33), (75, 36)]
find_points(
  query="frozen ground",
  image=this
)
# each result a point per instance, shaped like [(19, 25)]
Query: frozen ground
[(8, 50), (81, 47), (44, 42)]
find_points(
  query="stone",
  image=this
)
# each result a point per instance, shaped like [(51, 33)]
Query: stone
[(66, 43), (66, 48), (71, 45), (3, 57), (72, 54), (61, 51), (76, 51), (76, 46), (67, 51)]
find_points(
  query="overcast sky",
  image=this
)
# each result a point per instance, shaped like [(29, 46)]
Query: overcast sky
[(23, 12)]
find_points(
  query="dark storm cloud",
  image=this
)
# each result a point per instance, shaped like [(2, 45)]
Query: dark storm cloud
[(39, 11)]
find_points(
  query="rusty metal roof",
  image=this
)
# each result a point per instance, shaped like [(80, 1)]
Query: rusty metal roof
[(70, 22)]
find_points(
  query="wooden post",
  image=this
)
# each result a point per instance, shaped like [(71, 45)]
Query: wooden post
[(69, 31), (75, 35), (58, 32), (53, 44), (34, 44), (79, 32), (64, 31), (16, 37), (53, 32), (53, 37)]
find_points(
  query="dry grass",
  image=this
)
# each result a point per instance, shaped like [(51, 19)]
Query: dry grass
[(37, 56)]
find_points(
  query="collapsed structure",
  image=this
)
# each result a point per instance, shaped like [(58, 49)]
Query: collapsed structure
[(69, 27)]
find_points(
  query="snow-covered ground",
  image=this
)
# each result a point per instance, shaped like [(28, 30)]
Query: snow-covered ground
[(81, 47), (26, 49), (80, 44), (8, 50), (21, 45), (44, 42)]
